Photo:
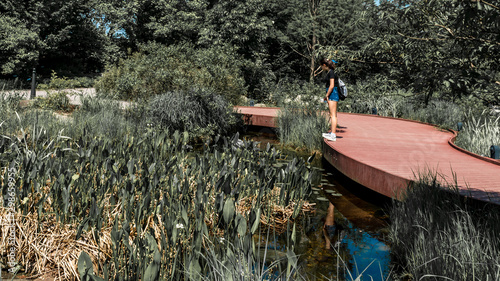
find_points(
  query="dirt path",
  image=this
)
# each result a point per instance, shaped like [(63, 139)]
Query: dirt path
[(73, 94)]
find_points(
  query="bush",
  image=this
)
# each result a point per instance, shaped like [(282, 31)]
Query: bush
[(390, 100), (479, 133), (293, 93), (54, 101), (157, 69), (198, 112), (442, 113), (59, 83)]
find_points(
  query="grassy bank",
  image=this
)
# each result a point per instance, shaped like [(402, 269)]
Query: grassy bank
[(436, 234), (479, 133)]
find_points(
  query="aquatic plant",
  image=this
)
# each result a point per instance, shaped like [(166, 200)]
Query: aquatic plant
[(142, 207), (201, 113)]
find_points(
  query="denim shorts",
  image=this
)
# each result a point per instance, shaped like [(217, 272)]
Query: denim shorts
[(334, 96)]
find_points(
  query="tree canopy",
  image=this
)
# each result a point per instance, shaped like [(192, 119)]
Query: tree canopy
[(428, 45)]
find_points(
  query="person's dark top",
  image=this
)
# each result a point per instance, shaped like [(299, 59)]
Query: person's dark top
[(331, 74)]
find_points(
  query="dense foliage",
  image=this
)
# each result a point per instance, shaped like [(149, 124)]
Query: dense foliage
[(442, 49), (158, 69), (419, 59), (48, 34), (154, 211), (200, 113), (297, 128)]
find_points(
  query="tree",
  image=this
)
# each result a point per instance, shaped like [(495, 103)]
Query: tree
[(330, 28), (445, 46), (252, 27), (55, 33), (163, 21), (18, 45)]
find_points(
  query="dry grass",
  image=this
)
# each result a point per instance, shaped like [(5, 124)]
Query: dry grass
[(47, 247), (279, 216)]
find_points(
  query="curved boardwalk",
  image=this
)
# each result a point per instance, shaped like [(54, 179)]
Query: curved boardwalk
[(387, 154)]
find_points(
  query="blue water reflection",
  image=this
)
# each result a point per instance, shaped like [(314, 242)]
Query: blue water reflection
[(370, 257)]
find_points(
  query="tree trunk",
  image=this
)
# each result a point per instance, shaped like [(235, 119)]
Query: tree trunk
[(312, 49), (313, 55)]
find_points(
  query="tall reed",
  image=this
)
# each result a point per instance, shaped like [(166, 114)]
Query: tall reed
[(302, 127), (436, 234), (479, 133)]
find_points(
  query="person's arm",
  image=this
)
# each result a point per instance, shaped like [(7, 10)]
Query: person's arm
[(330, 89)]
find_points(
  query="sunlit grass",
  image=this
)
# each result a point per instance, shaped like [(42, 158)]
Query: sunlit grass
[(479, 133), (437, 234), (302, 128)]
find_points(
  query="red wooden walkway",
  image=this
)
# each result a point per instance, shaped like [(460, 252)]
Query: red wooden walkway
[(386, 154)]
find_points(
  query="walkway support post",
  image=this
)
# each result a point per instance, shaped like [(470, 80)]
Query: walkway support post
[(33, 84)]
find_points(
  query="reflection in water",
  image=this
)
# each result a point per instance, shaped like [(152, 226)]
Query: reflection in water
[(345, 237), (339, 248), (370, 256), (329, 226)]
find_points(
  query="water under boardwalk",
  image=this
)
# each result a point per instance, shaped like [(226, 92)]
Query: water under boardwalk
[(357, 243)]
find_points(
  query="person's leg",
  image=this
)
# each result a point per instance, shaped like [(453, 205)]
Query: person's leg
[(329, 226), (332, 106)]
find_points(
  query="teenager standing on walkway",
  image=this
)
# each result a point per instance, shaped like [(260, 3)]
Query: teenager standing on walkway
[(332, 95)]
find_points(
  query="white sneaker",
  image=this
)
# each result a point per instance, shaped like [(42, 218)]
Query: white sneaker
[(330, 136)]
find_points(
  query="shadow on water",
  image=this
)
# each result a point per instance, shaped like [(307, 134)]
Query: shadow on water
[(346, 236)]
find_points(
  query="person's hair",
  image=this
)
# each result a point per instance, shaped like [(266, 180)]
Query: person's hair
[(328, 63)]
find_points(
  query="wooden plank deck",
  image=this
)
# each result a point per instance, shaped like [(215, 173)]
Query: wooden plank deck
[(386, 154)]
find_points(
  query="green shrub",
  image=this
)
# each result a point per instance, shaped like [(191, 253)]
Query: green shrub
[(442, 113), (54, 101), (390, 100), (472, 105), (59, 83), (292, 93), (198, 112), (157, 69)]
